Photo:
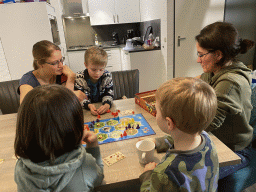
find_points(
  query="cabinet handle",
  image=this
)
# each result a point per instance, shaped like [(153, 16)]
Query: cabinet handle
[(117, 18), (180, 38), (114, 18)]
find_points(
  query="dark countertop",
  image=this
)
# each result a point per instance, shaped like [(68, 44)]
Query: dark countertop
[(136, 49)]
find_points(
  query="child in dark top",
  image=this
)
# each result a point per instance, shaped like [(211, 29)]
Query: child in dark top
[(50, 129), (185, 107), (95, 81)]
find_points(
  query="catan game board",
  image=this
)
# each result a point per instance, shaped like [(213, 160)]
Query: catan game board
[(120, 128)]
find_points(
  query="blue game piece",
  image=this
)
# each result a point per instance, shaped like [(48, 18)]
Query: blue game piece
[(116, 118)]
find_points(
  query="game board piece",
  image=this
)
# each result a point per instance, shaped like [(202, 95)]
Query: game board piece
[(125, 134), (118, 111), (108, 111), (96, 131), (91, 126), (145, 128), (98, 116), (126, 127), (133, 112), (97, 120), (116, 118), (93, 122), (111, 159), (138, 126), (121, 135), (129, 125), (86, 127)]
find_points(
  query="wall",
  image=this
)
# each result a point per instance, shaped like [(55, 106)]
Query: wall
[(243, 15), (156, 25)]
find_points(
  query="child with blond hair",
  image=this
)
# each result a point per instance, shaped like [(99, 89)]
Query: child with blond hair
[(185, 107), (95, 81)]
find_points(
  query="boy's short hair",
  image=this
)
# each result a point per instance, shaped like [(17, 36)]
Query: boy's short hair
[(191, 103), (96, 56), (49, 123)]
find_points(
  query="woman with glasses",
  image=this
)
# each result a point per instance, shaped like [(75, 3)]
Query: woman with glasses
[(48, 69), (218, 44)]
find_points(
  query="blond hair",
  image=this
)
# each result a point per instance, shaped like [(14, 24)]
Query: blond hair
[(96, 56), (189, 102)]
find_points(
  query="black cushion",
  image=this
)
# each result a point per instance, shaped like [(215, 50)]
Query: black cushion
[(126, 83), (9, 98)]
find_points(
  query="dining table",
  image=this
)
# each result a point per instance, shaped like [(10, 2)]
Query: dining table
[(122, 173)]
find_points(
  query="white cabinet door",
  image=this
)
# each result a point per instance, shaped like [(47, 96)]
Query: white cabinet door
[(114, 59), (151, 9), (127, 11), (102, 12), (76, 60)]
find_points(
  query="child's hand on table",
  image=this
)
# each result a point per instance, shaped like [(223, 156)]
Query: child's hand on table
[(150, 166), (103, 108), (90, 138), (93, 109)]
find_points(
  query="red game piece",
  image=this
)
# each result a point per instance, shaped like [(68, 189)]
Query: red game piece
[(98, 116), (125, 134), (118, 111), (132, 112), (108, 111), (121, 135)]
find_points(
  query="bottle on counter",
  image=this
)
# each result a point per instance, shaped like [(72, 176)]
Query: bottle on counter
[(96, 40)]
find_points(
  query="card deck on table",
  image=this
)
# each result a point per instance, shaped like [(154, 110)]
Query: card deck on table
[(111, 159)]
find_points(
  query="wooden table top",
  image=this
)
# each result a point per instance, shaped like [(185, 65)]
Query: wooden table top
[(120, 173)]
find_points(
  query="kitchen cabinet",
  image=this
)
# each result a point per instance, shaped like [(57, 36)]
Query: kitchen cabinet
[(151, 67), (76, 60), (22, 25), (151, 9), (104, 12)]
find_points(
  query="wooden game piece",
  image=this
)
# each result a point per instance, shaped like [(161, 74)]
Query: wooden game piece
[(133, 112), (98, 116), (93, 122), (108, 111), (121, 135), (118, 111), (97, 120), (138, 126), (125, 134), (129, 125)]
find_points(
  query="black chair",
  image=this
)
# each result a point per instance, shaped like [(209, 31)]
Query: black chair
[(126, 83), (9, 98)]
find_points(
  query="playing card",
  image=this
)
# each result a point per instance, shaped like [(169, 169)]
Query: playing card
[(111, 159)]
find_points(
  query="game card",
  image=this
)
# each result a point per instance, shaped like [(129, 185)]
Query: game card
[(111, 159)]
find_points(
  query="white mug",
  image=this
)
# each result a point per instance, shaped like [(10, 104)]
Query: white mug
[(145, 149)]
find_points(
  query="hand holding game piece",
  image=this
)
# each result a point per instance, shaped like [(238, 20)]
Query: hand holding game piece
[(93, 109), (150, 166), (90, 138), (103, 109)]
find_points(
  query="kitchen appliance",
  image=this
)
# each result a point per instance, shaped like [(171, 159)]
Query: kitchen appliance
[(115, 38), (148, 31), (130, 33), (129, 45), (75, 8)]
